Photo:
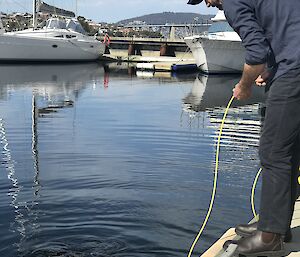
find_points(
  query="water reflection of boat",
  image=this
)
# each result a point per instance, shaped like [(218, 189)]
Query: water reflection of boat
[(48, 74), (215, 91), (49, 81), (210, 95), (52, 87)]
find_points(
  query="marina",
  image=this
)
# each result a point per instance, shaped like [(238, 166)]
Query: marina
[(109, 144)]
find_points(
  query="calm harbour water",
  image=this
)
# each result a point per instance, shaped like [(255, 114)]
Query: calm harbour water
[(109, 162)]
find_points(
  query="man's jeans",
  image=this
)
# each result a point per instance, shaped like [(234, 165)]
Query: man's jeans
[(280, 154)]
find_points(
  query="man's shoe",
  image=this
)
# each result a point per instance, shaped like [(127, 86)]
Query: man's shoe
[(246, 230), (229, 242), (260, 244)]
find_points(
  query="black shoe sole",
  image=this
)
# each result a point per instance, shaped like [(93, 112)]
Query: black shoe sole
[(262, 254)]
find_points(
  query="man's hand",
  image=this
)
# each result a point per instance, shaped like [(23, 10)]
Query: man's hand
[(242, 92), (243, 89), (261, 81)]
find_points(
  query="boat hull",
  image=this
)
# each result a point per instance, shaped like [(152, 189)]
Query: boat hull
[(217, 56), (15, 48)]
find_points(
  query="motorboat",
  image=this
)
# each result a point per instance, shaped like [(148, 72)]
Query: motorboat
[(219, 50), (61, 39)]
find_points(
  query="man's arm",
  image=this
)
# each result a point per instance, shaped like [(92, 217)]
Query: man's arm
[(241, 16), (250, 73), (243, 89)]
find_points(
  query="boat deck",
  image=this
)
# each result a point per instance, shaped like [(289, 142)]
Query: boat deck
[(291, 249)]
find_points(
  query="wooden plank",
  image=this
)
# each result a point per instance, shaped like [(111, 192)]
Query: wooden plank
[(217, 247), (291, 249)]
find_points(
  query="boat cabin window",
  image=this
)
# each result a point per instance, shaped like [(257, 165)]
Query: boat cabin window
[(75, 26), (220, 26), (61, 36), (70, 36), (56, 24)]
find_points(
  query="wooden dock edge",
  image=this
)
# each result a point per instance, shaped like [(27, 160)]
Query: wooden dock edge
[(217, 247), (291, 249)]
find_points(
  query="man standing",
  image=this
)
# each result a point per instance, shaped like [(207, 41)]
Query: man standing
[(270, 33)]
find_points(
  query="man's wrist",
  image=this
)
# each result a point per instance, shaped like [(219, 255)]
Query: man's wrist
[(245, 85), (250, 73)]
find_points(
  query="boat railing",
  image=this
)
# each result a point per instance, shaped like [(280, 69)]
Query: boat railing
[(198, 28)]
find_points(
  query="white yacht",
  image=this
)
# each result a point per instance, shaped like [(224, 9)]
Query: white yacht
[(220, 50), (61, 39)]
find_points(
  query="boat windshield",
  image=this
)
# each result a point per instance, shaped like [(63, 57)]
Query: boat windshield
[(220, 26), (56, 24), (75, 26)]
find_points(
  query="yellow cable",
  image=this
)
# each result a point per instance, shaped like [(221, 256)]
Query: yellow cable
[(253, 194), (215, 180)]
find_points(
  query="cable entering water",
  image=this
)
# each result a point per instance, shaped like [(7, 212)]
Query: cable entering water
[(215, 179)]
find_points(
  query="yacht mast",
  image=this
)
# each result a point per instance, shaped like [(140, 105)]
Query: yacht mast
[(34, 14), (76, 8)]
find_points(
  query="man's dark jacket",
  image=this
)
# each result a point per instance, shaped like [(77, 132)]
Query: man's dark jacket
[(269, 29)]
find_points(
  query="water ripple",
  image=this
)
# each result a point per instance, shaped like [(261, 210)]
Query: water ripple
[(118, 169)]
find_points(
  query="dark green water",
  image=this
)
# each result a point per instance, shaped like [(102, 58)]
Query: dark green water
[(107, 162)]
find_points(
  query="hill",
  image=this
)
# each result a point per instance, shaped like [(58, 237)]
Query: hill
[(167, 17)]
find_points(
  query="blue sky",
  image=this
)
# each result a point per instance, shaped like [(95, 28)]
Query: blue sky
[(111, 10)]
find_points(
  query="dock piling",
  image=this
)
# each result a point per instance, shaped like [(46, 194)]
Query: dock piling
[(134, 49), (166, 50)]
